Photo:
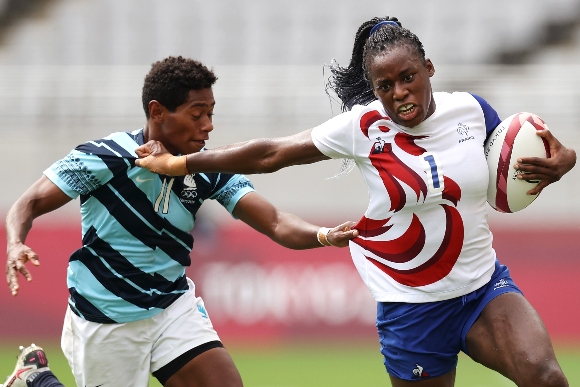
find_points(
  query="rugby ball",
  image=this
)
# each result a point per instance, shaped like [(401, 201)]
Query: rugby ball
[(515, 137)]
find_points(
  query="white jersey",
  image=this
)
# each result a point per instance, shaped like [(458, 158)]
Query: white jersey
[(424, 236)]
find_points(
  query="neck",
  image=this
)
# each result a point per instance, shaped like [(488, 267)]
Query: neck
[(146, 132)]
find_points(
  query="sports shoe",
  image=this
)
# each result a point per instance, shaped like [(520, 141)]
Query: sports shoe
[(31, 361)]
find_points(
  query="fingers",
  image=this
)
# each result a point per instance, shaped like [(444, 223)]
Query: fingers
[(31, 255), (145, 149), (12, 270), (546, 170), (553, 142), (12, 279), (151, 147), (148, 162), (142, 151), (157, 159), (538, 188), (18, 265), (342, 234)]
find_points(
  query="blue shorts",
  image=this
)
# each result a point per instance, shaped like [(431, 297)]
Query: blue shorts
[(423, 340)]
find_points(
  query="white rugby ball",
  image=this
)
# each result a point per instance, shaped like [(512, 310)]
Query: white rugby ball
[(515, 137)]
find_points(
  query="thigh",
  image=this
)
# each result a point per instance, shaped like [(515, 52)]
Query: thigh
[(101, 354), (183, 327), (212, 368), (187, 350), (509, 337), (420, 342)]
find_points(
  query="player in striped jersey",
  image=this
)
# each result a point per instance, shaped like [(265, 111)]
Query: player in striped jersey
[(425, 248), (132, 310)]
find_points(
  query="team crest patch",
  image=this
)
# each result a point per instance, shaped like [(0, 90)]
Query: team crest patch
[(202, 310), (419, 372), (463, 131), (378, 146), (189, 192), (502, 283)]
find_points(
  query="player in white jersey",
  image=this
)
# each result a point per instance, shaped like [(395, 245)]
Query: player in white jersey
[(132, 310), (425, 249)]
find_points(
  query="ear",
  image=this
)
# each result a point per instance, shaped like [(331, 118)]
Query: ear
[(156, 111), (430, 67)]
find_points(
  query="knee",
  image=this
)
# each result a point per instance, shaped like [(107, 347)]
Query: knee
[(542, 374)]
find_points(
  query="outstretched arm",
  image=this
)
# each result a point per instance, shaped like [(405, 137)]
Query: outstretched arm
[(254, 156), (547, 170), (287, 229), (42, 197)]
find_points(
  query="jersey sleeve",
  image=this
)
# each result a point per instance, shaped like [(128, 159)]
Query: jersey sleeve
[(492, 119), (82, 172), (230, 189), (335, 137)]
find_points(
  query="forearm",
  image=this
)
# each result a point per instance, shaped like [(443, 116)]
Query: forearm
[(19, 222), (294, 233), (42, 197), (254, 156)]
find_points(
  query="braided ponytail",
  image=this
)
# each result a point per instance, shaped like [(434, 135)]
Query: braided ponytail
[(352, 84)]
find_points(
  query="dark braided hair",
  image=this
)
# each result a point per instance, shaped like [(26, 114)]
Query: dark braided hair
[(170, 80), (352, 84)]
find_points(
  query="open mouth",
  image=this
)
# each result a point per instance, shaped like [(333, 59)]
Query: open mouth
[(407, 112)]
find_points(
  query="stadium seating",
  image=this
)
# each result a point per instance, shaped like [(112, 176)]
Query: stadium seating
[(75, 71)]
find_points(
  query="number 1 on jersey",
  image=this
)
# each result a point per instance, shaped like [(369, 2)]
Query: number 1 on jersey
[(433, 170)]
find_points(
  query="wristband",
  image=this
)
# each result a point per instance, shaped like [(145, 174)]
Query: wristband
[(322, 236), (177, 166)]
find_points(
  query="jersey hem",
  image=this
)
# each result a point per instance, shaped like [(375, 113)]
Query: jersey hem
[(434, 297)]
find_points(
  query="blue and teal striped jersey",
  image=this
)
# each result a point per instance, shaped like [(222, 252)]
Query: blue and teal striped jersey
[(135, 227)]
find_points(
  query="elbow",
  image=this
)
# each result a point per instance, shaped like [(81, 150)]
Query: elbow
[(270, 163), (269, 157), (266, 167)]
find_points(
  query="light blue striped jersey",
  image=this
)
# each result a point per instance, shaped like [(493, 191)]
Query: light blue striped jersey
[(135, 226)]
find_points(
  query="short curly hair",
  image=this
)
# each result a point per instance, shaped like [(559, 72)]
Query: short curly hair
[(170, 80)]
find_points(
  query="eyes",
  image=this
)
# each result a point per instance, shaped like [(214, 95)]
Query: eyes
[(198, 115), (386, 86)]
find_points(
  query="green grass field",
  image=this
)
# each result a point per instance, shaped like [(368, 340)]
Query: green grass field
[(302, 365)]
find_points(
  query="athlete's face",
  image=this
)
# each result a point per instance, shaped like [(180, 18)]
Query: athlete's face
[(400, 80), (187, 128)]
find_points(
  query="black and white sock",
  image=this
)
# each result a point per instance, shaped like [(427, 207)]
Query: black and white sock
[(43, 379)]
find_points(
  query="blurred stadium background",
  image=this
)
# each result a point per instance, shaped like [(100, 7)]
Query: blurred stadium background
[(72, 70)]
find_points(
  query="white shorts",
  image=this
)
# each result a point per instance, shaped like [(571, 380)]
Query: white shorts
[(126, 354)]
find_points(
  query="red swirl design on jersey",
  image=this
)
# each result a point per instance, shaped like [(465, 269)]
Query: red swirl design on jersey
[(393, 172), (371, 227), (441, 263), (399, 250), (452, 192), (407, 143), (370, 118)]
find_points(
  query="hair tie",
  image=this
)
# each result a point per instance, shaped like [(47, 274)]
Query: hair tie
[(380, 24)]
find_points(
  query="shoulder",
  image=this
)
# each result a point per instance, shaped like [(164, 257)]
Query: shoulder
[(461, 98), (456, 97), (119, 144)]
